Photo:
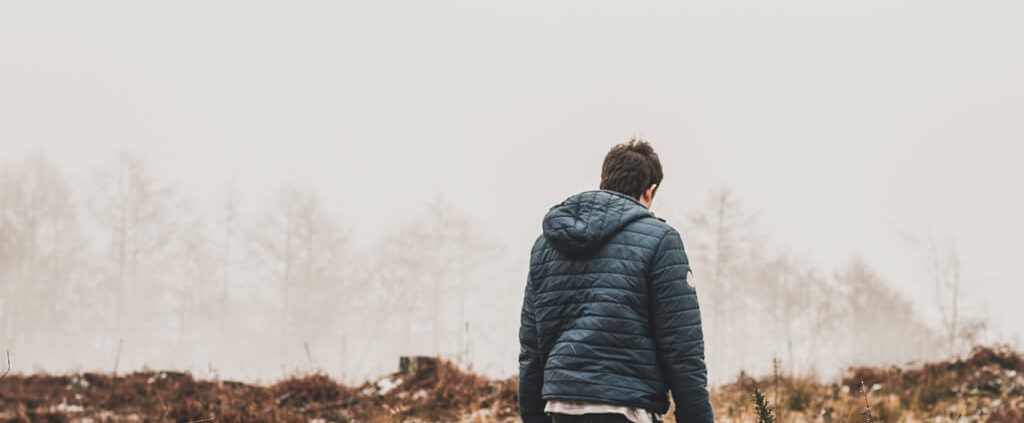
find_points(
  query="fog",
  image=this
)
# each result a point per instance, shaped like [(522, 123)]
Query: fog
[(860, 156)]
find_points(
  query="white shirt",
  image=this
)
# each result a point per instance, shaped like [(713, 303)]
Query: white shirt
[(577, 408)]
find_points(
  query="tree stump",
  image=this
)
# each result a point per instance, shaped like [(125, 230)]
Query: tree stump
[(408, 366)]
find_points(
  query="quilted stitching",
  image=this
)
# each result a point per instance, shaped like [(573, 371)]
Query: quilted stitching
[(607, 313)]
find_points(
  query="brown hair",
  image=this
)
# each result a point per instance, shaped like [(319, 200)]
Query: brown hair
[(631, 168)]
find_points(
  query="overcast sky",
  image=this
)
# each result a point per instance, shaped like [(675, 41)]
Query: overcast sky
[(842, 124)]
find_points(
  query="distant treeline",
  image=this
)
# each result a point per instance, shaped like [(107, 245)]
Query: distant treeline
[(118, 268)]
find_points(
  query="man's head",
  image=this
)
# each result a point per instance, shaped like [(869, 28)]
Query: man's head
[(633, 169)]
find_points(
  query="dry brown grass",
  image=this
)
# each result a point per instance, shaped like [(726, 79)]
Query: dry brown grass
[(988, 386), (441, 392)]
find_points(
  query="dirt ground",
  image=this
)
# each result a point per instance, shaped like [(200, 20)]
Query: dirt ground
[(987, 386)]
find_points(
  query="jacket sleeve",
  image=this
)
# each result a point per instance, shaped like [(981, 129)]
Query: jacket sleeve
[(531, 365), (676, 323)]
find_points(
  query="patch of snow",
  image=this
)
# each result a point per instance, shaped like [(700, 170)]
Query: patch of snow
[(79, 381), (64, 407), (386, 385), (481, 415)]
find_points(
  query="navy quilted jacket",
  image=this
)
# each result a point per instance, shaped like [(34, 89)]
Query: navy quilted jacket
[(608, 315)]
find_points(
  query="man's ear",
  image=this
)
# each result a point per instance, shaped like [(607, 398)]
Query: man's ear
[(650, 192), (648, 196)]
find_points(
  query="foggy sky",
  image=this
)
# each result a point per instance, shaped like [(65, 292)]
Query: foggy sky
[(842, 125)]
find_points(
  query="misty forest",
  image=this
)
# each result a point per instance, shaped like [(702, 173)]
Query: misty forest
[(119, 270), (144, 302)]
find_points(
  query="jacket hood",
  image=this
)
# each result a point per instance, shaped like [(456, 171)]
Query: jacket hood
[(583, 222)]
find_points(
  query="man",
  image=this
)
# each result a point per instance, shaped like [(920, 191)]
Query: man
[(610, 321)]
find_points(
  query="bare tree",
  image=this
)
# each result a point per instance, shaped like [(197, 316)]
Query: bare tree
[(429, 267), (721, 230), (944, 263), (880, 325), (397, 270), (196, 263), (941, 259), (785, 294), (228, 223), (8, 250), (135, 212), (759, 304), (40, 245), (303, 246)]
